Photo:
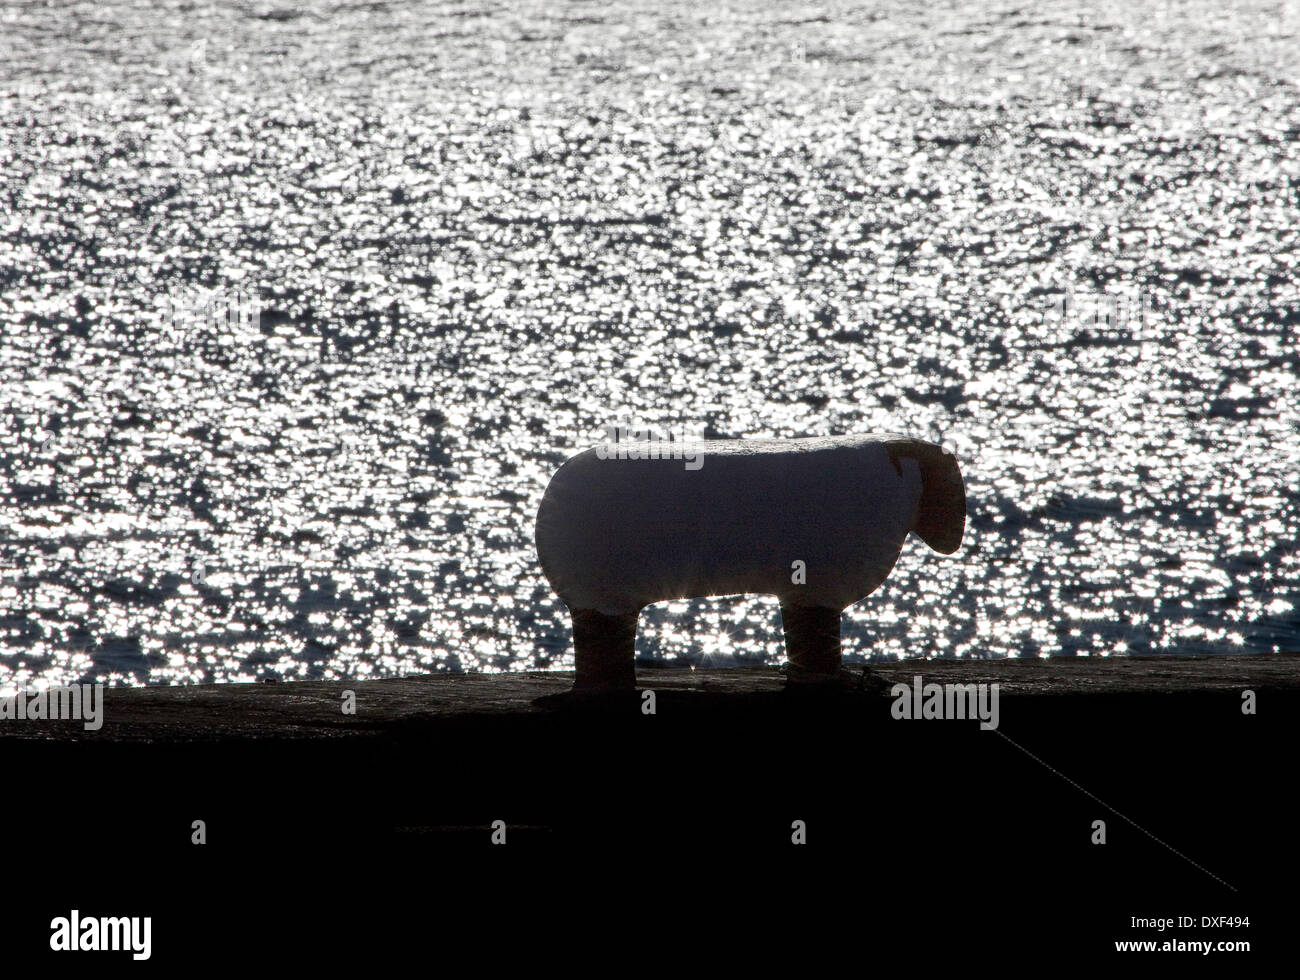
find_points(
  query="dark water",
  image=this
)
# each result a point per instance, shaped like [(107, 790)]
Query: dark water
[(1060, 238)]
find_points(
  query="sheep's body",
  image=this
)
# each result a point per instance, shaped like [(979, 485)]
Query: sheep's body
[(615, 535)]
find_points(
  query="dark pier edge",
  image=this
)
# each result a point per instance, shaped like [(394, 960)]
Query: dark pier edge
[(916, 830)]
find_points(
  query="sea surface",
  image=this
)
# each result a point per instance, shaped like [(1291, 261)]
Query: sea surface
[(301, 306)]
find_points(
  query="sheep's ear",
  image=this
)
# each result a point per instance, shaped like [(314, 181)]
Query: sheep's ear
[(941, 516)]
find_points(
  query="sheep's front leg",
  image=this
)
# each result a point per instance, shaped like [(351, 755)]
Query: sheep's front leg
[(812, 642), (604, 651)]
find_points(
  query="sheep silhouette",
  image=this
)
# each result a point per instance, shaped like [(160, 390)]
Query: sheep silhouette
[(819, 523)]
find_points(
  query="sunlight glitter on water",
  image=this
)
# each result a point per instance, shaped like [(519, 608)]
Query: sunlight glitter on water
[(460, 270)]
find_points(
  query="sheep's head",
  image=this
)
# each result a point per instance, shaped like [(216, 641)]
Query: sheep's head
[(941, 514)]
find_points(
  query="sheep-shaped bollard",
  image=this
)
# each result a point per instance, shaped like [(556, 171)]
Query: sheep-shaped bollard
[(819, 523)]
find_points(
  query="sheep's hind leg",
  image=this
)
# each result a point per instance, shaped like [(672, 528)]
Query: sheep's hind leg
[(604, 651)]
